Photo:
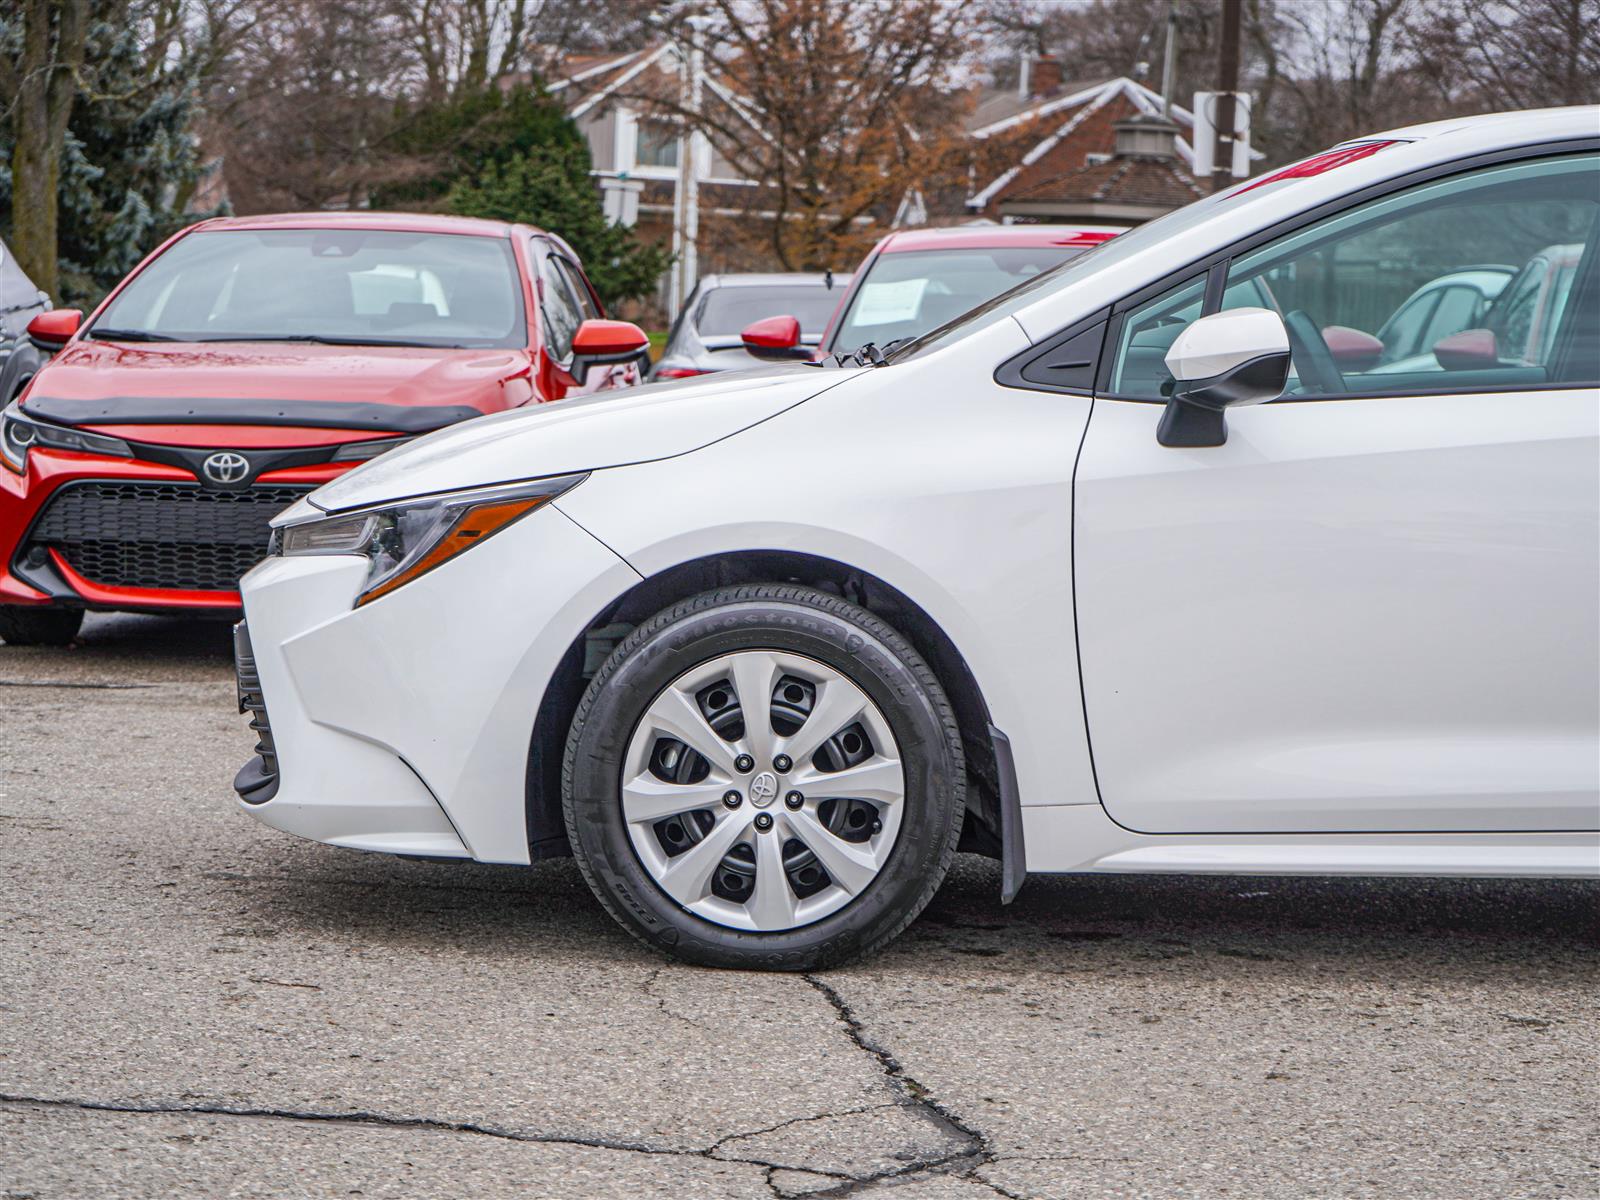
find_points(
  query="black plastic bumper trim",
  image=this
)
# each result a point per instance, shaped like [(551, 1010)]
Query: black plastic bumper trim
[(1013, 860), (257, 780)]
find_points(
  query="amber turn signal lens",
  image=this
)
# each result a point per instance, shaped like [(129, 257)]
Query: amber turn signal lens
[(471, 527)]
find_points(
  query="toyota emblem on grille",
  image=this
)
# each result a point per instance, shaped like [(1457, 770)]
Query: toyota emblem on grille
[(226, 467)]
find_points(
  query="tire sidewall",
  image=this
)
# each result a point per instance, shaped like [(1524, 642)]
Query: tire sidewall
[(652, 659)]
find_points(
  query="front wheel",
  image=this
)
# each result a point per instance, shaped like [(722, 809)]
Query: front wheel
[(38, 626), (764, 776)]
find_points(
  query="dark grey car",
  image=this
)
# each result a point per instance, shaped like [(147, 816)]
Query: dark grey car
[(705, 336), (20, 302)]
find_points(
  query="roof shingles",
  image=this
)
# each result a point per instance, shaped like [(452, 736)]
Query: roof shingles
[(1141, 181)]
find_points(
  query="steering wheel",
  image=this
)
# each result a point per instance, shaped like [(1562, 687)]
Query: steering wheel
[(1312, 359)]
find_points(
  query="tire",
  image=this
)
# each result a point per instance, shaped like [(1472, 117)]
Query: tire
[(800, 634), (38, 626)]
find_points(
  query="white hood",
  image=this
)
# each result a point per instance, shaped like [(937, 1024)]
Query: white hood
[(609, 429)]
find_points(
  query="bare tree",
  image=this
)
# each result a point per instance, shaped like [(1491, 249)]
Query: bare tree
[(464, 43), (1508, 54), (838, 109), (38, 89)]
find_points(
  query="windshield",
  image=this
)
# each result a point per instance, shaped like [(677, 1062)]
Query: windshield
[(906, 294), (727, 311), (360, 286), (1169, 227)]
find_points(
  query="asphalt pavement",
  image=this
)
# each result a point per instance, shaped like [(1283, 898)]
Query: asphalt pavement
[(194, 1005)]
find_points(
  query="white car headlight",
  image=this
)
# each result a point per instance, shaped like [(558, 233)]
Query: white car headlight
[(19, 433), (404, 540)]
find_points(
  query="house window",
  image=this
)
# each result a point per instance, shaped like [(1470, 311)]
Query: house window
[(656, 145)]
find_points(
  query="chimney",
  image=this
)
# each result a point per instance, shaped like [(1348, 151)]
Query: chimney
[(1044, 76), (1146, 137)]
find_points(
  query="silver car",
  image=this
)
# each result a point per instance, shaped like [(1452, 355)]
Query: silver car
[(705, 337)]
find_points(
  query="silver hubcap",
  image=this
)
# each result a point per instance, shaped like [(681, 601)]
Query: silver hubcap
[(763, 790)]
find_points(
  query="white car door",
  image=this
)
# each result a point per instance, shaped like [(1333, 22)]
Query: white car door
[(1375, 607)]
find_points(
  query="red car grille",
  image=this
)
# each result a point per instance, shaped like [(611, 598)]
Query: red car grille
[(173, 536)]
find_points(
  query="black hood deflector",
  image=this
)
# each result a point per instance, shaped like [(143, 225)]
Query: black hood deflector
[(313, 414)]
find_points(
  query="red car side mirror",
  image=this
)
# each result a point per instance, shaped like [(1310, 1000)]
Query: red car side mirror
[(599, 342), (1469, 350), (1352, 349), (50, 331), (774, 339)]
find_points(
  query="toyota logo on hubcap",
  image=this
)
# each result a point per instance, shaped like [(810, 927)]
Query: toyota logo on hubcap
[(226, 467), (763, 789)]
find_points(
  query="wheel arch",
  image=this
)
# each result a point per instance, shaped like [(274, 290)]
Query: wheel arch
[(984, 830)]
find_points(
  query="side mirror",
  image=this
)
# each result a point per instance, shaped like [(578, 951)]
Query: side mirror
[(774, 339), (1219, 362), (598, 343), (1353, 350), (1469, 350), (50, 331)]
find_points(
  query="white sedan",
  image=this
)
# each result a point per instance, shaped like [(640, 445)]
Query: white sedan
[(1051, 583)]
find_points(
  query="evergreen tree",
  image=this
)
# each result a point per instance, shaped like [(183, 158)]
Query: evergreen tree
[(130, 159), (525, 160)]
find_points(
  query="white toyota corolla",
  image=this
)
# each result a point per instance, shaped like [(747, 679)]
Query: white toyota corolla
[(1050, 583)]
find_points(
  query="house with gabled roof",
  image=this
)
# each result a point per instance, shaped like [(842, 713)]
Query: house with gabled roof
[(1104, 152), (652, 171)]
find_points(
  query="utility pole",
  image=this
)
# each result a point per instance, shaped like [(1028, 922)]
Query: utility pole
[(1169, 61), (1227, 89), (686, 199)]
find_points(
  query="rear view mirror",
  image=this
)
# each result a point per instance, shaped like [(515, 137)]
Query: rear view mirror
[(50, 331), (1469, 350), (775, 339), (598, 343), (1228, 359)]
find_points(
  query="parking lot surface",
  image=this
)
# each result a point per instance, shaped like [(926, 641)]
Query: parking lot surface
[(192, 1004)]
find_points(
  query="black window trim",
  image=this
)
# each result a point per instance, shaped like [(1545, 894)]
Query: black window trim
[(547, 250), (1215, 266), (1011, 373), (577, 276)]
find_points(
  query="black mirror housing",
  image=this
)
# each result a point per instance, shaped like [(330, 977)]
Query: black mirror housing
[(581, 364), (1194, 414)]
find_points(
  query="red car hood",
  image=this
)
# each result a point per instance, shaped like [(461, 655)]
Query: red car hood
[(94, 373)]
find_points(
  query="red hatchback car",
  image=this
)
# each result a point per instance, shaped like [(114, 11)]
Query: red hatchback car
[(250, 359), (914, 280)]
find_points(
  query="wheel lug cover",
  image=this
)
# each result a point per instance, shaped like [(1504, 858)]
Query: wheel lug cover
[(782, 763), (763, 821), (732, 799), (794, 799), (744, 764)]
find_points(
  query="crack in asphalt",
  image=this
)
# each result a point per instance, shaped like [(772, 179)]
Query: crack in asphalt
[(648, 987), (352, 1117), (908, 1093), (913, 1096), (58, 683), (710, 1153)]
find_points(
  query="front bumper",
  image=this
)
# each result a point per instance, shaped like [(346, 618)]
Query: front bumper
[(405, 725), (126, 534)]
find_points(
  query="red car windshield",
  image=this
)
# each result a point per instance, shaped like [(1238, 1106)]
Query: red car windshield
[(906, 294), (343, 286)]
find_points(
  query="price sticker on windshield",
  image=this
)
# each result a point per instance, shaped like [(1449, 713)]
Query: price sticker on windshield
[(889, 303)]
